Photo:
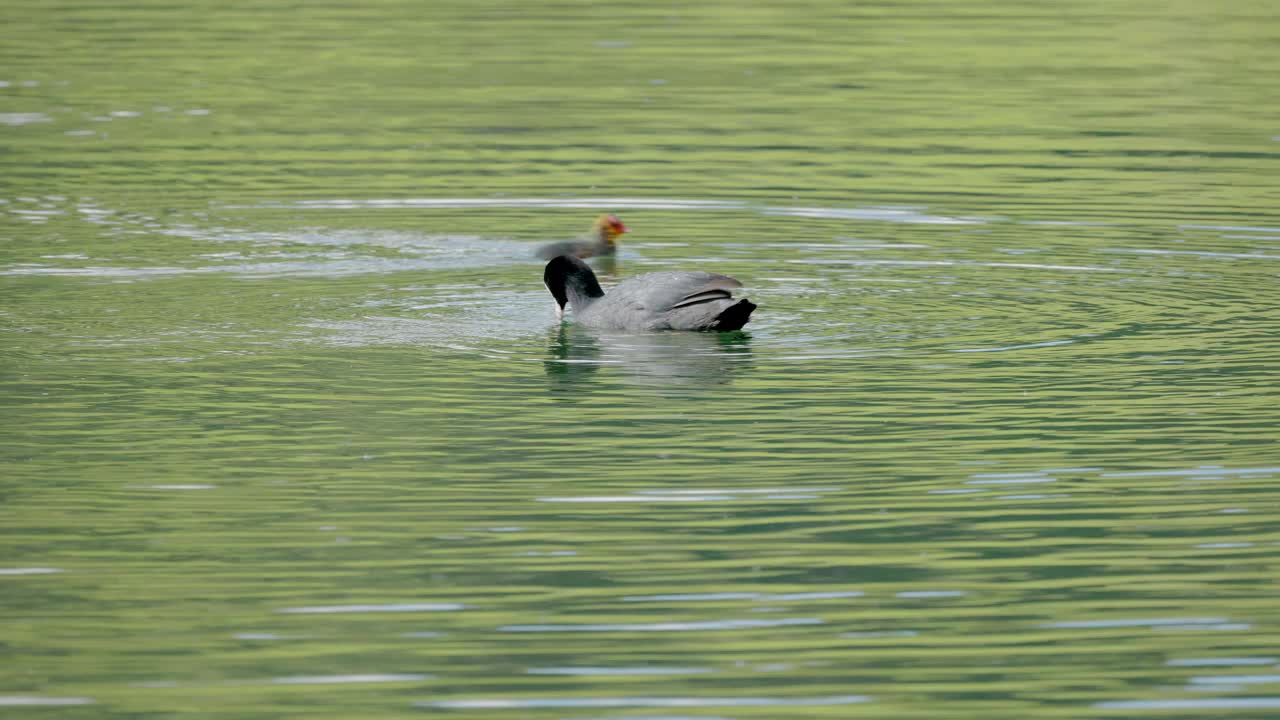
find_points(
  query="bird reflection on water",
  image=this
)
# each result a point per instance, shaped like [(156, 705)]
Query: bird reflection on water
[(659, 359)]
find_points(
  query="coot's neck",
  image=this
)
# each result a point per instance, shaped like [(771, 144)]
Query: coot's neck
[(602, 244), (582, 289), (571, 282)]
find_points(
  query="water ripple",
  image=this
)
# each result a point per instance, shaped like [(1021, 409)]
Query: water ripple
[(1236, 679), (1149, 622), (590, 671), (956, 264), (1213, 471), (665, 626), (394, 607), (763, 597), (1223, 661), (16, 700), (345, 679), (623, 702), (872, 214), (1249, 703)]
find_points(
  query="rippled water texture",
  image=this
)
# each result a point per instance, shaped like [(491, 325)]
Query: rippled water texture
[(289, 429)]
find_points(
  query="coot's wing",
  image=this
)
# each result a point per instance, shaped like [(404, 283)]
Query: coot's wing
[(719, 287), (660, 292)]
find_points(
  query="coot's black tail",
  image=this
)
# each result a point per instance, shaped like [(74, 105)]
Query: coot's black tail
[(734, 316)]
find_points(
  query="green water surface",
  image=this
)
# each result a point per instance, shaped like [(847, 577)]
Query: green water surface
[(288, 428)]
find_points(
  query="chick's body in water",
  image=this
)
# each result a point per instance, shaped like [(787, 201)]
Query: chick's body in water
[(601, 240), (668, 300)]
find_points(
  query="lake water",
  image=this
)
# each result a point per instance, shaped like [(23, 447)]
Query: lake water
[(289, 429)]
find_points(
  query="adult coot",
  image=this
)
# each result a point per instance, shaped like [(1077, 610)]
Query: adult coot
[(669, 300)]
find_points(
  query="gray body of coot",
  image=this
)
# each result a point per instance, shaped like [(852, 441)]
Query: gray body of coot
[(668, 300)]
